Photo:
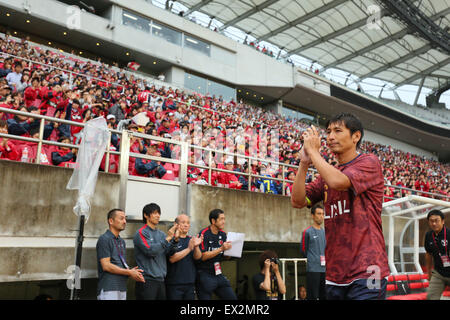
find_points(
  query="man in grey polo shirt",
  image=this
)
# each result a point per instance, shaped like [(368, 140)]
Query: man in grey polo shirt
[(312, 246), (113, 271)]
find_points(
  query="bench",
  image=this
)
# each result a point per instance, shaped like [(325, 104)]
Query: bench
[(405, 284), (410, 287)]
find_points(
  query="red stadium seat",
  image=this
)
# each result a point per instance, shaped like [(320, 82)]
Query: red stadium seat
[(408, 277), (446, 292), (412, 296), (412, 282)]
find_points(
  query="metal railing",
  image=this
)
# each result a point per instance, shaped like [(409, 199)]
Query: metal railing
[(41, 141), (249, 173), (124, 154), (416, 192), (283, 270), (113, 84)]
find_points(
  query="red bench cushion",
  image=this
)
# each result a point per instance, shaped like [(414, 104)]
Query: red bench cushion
[(412, 296)]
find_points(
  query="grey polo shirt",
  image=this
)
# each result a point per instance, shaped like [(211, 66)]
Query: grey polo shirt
[(110, 246), (312, 246)]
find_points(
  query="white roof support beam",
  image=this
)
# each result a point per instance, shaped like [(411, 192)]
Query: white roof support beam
[(247, 14), (424, 73), (405, 58), (382, 42), (302, 19), (197, 7)]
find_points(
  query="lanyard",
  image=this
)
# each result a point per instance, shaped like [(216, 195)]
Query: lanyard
[(117, 247), (445, 240), (121, 254)]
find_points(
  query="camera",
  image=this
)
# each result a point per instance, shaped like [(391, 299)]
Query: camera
[(275, 260)]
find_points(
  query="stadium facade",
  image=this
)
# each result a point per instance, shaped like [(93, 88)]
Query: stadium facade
[(36, 257)]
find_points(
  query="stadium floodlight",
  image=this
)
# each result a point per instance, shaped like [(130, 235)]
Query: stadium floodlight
[(130, 16), (191, 40)]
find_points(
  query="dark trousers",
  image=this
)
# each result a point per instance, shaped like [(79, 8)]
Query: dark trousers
[(180, 292), (150, 290), (208, 283), (315, 286), (358, 290)]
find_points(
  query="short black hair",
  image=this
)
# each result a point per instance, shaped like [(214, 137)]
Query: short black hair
[(315, 207), (32, 108), (214, 214), (149, 209), (62, 138), (33, 131), (350, 121), (112, 214), (435, 212)]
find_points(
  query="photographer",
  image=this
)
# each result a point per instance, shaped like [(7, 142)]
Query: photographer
[(268, 284)]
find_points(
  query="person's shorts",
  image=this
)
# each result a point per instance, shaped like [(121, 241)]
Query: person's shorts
[(358, 290), (112, 295)]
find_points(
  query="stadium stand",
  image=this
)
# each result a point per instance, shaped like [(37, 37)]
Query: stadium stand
[(65, 86)]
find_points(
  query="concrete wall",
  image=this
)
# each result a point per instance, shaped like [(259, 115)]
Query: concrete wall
[(38, 229), (262, 217)]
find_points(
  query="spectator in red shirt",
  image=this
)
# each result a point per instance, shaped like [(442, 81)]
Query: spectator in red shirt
[(214, 175), (8, 149), (288, 188), (31, 93), (422, 185), (64, 156), (229, 180)]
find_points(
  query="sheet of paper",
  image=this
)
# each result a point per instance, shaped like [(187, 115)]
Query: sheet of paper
[(237, 243)]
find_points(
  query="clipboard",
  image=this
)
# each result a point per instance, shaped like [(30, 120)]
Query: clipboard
[(237, 244)]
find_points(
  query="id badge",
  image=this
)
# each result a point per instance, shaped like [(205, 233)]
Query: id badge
[(445, 261), (217, 268), (124, 262), (322, 261)]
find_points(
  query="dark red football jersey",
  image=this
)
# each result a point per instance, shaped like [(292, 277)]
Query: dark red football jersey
[(353, 229)]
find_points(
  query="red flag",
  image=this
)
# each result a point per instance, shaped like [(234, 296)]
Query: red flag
[(133, 65)]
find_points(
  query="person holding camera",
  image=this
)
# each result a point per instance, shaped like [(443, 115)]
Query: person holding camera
[(268, 284)]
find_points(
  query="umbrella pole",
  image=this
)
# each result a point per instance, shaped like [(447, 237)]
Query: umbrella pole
[(74, 294)]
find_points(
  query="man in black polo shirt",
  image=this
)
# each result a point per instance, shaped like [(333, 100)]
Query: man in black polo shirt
[(113, 271), (436, 246), (209, 276), (181, 269)]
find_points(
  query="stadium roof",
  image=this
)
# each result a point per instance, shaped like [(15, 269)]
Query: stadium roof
[(346, 34)]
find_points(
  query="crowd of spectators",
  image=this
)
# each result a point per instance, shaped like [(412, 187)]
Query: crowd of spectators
[(63, 86)]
